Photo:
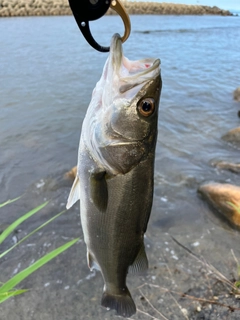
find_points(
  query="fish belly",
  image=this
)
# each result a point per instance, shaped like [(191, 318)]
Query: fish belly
[(115, 236)]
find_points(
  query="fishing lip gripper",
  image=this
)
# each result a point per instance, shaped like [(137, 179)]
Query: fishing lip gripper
[(89, 10)]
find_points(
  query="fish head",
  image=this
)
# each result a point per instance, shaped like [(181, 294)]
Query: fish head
[(124, 116)]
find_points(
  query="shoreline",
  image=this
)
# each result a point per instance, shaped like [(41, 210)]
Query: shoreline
[(16, 8)]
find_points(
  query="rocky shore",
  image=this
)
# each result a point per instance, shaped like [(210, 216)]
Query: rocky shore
[(11, 8), (225, 197), (133, 7)]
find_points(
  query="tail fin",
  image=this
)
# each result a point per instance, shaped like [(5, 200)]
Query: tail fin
[(123, 304)]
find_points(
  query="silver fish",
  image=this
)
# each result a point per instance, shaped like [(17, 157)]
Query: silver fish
[(114, 179)]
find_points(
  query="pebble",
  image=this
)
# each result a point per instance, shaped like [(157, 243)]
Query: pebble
[(184, 311), (196, 244), (199, 309)]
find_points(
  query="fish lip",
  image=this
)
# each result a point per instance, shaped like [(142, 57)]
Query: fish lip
[(116, 51)]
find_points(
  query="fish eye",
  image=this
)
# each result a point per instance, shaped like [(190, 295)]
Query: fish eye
[(146, 107)]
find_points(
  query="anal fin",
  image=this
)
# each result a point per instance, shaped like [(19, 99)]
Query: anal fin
[(92, 264), (74, 195), (141, 262)]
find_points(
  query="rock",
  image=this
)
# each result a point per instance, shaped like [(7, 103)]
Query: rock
[(233, 167), (225, 198), (71, 174), (236, 94), (170, 8), (61, 7), (233, 136)]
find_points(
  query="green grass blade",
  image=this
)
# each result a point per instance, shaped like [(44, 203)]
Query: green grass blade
[(234, 206), (9, 201), (6, 295), (16, 223), (31, 233), (10, 284)]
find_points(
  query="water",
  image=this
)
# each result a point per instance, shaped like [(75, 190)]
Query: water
[(47, 73)]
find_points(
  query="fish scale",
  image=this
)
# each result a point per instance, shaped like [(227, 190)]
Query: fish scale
[(114, 179)]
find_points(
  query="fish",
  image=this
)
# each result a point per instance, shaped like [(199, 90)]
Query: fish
[(115, 171)]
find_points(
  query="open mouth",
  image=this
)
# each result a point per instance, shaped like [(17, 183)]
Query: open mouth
[(131, 74)]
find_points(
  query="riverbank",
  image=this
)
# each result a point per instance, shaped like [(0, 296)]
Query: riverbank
[(11, 8), (48, 74)]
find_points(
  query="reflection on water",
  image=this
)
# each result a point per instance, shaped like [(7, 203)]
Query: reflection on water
[(47, 75)]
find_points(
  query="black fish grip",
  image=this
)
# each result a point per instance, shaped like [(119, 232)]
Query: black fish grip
[(89, 10)]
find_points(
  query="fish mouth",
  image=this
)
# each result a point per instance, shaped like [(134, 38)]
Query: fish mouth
[(131, 74)]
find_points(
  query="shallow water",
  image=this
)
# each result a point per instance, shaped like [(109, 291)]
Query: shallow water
[(47, 73)]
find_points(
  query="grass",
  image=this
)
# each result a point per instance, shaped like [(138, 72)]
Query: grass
[(234, 206), (7, 289)]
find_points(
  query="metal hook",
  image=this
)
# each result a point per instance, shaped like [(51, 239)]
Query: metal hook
[(119, 8), (89, 10)]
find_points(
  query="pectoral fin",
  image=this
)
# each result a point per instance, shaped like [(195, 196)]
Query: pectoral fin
[(74, 195), (99, 190), (141, 262)]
